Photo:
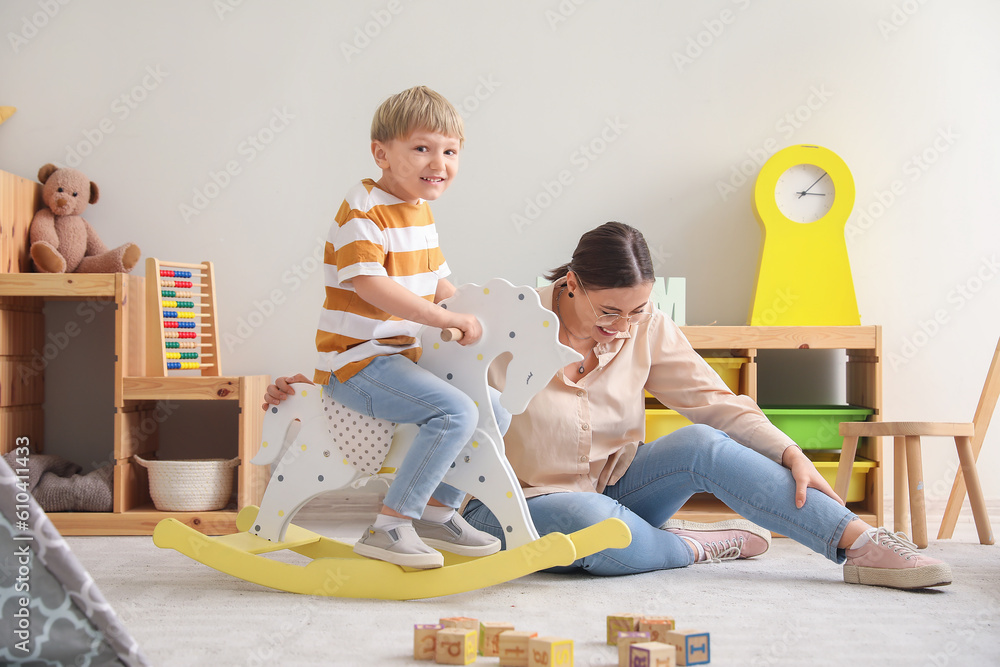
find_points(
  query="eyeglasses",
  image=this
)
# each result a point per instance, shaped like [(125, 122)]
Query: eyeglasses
[(610, 319)]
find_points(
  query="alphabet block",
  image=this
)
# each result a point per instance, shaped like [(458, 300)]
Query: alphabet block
[(656, 626), (652, 654), (425, 640), (489, 637), (692, 646), (550, 652), (460, 622), (456, 646), (514, 648), (621, 623), (625, 640)]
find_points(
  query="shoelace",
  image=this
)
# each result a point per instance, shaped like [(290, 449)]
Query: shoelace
[(898, 542), (716, 552)]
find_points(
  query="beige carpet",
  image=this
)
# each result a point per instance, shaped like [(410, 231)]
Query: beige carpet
[(789, 607)]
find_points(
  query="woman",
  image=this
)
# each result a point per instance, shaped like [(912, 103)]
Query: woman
[(578, 453)]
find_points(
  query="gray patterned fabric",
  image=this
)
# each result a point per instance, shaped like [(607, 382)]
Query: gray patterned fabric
[(51, 612)]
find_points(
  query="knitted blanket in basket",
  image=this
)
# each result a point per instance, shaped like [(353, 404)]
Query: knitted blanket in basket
[(58, 487)]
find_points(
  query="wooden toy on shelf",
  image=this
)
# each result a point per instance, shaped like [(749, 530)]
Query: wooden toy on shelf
[(296, 435)]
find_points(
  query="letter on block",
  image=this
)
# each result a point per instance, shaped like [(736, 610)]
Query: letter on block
[(621, 623), (514, 648), (489, 637), (550, 652), (425, 640), (625, 640), (460, 622), (652, 654), (657, 627), (456, 646), (692, 646)]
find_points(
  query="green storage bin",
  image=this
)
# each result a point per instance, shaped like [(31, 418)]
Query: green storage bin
[(815, 426)]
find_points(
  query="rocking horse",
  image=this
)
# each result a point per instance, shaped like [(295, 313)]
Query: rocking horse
[(321, 446)]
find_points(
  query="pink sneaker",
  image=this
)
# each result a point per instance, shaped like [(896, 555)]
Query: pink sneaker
[(723, 540), (890, 559)]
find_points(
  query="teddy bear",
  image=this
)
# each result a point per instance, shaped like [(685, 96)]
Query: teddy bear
[(61, 240)]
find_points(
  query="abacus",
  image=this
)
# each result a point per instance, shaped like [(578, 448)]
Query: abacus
[(181, 323)]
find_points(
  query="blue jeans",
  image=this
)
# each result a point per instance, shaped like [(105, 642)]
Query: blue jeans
[(664, 474), (394, 388)]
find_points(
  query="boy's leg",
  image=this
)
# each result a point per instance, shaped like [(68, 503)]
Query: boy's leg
[(650, 549)]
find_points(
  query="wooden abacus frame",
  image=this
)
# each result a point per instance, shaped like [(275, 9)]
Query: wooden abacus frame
[(198, 304)]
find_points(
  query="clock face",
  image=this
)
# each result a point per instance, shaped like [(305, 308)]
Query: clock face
[(804, 193)]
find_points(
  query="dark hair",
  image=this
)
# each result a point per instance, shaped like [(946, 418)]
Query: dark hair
[(610, 256)]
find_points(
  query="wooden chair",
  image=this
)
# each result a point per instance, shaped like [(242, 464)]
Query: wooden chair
[(909, 470)]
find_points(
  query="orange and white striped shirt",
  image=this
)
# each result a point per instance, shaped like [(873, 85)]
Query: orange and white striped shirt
[(374, 234)]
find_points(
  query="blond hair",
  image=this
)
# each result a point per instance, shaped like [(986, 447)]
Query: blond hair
[(417, 108)]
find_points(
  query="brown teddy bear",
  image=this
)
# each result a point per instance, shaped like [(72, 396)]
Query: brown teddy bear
[(61, 240)]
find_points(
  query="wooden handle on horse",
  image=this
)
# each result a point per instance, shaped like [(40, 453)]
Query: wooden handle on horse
[(450, 334)]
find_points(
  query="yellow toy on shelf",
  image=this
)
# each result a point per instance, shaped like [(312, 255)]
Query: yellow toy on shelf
[(309, 462), (802, 199)]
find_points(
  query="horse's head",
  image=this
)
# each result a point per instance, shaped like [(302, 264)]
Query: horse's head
[(514, 321)]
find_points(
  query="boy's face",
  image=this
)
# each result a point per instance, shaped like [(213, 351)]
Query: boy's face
[(420, 166)]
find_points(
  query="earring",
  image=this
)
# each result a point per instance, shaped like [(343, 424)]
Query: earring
[(569, 294)]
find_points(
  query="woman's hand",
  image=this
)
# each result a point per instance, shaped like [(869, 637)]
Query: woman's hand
[(805, 475), (282, 389)]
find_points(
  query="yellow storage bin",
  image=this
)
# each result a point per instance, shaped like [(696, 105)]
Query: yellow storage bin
[(826, 462), (728, 369), (661, 421)]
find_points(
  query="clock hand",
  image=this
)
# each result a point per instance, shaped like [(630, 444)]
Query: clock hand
[(806, 191), (814, 194)]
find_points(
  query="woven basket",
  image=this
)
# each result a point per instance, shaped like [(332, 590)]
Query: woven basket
[(194, 485)]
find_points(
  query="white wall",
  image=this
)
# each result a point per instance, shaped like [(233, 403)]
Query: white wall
[(161, 96)]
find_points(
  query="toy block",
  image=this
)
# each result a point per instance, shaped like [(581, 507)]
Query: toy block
[(460, 622), (455, 646), (514, 648), (656, 626), (625, 640), (621, 623), (692, 646), (652, 654), (550, 652), (425, 640), (489, 637)]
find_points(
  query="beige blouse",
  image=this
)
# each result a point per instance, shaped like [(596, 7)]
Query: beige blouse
[(583, 436)]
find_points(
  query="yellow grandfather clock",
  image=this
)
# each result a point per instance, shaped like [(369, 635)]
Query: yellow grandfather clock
[(802, 199)]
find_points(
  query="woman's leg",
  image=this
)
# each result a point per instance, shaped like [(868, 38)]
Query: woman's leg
[(650, 549), (695, 459)]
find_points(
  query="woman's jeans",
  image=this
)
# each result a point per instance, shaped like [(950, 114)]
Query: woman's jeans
[(394, 388), (664, 474)]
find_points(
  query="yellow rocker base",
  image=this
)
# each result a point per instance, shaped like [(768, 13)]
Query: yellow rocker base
[(338, 572)]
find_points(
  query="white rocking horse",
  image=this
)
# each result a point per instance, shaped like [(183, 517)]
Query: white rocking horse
[(321, 446)]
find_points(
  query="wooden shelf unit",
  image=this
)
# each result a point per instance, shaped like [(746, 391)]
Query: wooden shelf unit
[(23, 337), (863, 374)]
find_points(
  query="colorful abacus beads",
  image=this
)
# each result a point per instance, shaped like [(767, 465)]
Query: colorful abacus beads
[(176, 283), (172, 273), (175, 344), (182, 355), (182, 365), (179, 334), (178, 325), (177, 304), (173, 294)]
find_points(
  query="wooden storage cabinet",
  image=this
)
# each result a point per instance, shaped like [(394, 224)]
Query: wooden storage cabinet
[(862, 372)]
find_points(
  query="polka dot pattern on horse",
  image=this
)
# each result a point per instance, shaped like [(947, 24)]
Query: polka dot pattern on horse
[(362, 440)]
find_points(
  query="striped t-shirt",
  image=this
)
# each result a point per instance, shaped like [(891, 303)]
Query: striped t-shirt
[(374, 234)]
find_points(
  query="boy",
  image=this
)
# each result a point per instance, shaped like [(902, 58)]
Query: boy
[(384, 275)]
